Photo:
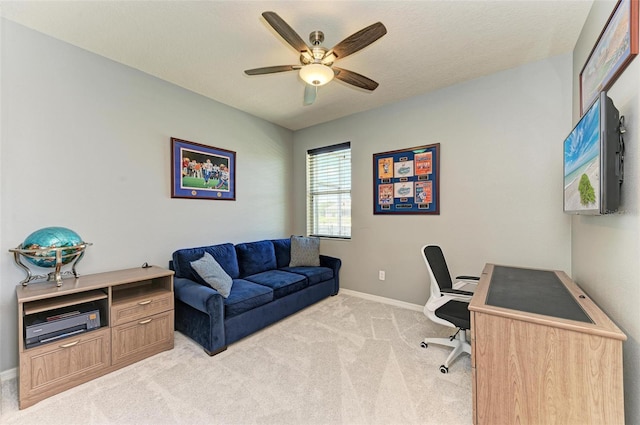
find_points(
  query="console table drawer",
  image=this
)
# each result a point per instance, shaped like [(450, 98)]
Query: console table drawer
[(136, 340), (141, 307), (65, 363)]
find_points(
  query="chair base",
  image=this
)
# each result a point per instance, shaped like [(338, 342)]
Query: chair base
[(458, 342)]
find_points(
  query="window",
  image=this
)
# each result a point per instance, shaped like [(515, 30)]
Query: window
[(329, 191)]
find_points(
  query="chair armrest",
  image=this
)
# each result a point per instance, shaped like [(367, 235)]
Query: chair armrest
[(198, 296), (467, 277), (451, 295), (465, 285), (456, 292)]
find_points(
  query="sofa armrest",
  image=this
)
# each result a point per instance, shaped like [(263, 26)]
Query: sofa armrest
[(331, 262), (201, 297), (200, 314), (334, 264)]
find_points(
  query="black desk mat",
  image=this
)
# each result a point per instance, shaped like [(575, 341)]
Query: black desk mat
[(533, 291)]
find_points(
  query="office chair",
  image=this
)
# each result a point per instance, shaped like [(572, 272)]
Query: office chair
[(448, 304)]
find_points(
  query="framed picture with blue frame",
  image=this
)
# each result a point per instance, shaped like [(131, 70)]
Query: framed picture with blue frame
[(202, 172), (407, 181)]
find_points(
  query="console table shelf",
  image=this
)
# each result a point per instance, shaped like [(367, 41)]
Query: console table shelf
[(47, 304), (136, 321)]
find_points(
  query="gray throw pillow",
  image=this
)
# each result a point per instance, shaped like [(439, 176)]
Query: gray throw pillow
[(213, 273), (305, 251)]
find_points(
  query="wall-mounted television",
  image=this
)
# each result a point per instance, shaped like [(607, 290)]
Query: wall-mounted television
[(593, 161)]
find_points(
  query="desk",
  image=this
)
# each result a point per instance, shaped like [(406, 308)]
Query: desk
[(542, 352)]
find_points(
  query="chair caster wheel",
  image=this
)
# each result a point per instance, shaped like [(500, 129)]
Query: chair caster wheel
[(424, 344), (444, 369)]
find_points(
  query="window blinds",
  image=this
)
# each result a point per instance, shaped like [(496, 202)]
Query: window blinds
[(329, 191)]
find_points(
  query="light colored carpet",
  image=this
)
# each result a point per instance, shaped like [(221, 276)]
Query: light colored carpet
[(345, 360)]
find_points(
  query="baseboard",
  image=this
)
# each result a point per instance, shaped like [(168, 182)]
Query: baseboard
[(383, 300), (8, 374)]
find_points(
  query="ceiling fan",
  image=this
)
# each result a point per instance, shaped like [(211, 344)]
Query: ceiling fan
[(316, 62)]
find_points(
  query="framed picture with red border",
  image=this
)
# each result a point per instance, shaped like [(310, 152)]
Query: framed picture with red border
[(407, 181)]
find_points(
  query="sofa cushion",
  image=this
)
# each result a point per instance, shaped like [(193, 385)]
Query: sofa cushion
[(224, 254), (283, 283), (212, 273), (255, 257), (314, 274), (282, 248), (305, 251), (245, 296)]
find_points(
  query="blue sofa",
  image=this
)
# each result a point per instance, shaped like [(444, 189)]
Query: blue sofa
[(265, 289)]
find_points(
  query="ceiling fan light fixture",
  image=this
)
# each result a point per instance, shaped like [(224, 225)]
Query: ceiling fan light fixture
[(316, 74)]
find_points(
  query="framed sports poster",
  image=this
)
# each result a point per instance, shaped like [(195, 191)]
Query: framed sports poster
[(201, 171), (407, 181)]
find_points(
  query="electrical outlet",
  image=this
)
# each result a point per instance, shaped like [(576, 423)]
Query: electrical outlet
[(381, 275)]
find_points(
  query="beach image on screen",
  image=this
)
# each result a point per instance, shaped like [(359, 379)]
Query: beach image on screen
[(582, 163)]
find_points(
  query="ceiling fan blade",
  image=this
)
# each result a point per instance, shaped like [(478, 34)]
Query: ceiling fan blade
[(286, 32), (271, 69), (310, 93), (355, 79), (359, 40)]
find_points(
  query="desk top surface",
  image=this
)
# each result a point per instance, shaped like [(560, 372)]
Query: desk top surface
[(547, 297), (534, 291)]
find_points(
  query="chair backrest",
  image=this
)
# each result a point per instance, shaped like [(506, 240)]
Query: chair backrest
[(437, 266)]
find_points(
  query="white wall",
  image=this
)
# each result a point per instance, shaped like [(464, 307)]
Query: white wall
[(86, 145), (605, 251), (501, 179), (1, 101)]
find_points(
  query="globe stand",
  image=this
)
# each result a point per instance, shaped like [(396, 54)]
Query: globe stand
[(62, 255)]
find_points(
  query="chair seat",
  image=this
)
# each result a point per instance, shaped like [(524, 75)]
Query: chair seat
[(456, 312)]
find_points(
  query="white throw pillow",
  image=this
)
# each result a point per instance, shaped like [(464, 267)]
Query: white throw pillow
[(213, 273), (305, 251)]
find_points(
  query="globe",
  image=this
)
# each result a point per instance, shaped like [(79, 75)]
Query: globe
[(52, 237)]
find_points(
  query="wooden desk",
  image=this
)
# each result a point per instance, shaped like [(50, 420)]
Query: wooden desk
[(533, 368)]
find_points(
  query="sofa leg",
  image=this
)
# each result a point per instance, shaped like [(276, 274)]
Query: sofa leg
[(218, 351)]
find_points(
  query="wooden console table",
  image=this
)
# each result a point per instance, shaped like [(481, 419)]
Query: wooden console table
[(542, 352), (134, 320)]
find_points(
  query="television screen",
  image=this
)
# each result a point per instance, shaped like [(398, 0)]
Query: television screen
[(582, 164), (593, 161)]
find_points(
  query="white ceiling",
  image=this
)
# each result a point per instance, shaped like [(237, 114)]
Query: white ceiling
[(205, 46)]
